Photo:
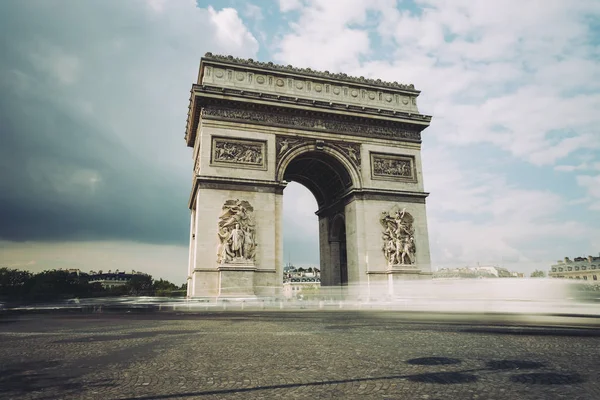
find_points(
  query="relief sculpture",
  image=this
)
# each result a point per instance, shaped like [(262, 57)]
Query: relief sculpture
[(371, 129), (352, 151), (391, 167), (398, 238), (238, 152), (237, 244), (285, 144)]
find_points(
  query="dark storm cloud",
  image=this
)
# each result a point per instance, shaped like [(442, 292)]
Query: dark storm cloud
[(93, 103)]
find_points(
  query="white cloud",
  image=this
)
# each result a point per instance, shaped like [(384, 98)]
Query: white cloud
[(289, 5), (323, 39), (580, 167), (592, 185), (117, 75), (59, 65), (477, 216), (253, 11), (531, 91), (299, 212), (231, 33)]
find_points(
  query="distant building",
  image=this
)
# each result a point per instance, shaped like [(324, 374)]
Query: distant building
[(476, 272), (585, 268), (299, 284), (112, 279)]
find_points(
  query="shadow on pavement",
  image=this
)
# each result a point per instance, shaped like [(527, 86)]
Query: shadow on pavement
[(442, 378), (513, 364), (433, 361), (538, 331), (445, 378), (134, 335), (23, 378), (547, 378)]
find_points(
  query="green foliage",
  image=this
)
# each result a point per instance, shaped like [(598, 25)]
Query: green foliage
[(164, 285), (16, 285), (13, 282), (538, 274), (140, 285)]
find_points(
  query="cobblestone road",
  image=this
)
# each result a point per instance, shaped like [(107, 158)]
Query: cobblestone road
[(345, 355)]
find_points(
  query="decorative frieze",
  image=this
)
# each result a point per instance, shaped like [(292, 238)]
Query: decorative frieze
[(236, 231), (307, 71), (246, 75), (398, 237), (330, 124), (393, 167), (238, 153)]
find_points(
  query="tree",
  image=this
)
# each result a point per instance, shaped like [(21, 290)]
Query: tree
[(163, 288), (14, 282), (58, 284), (538, 274), (162, 284), (140, 285)]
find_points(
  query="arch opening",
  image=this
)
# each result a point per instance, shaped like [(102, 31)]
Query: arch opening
[(328, 180), (322, 174)]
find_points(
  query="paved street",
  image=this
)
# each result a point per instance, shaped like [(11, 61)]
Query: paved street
[(256, 355)]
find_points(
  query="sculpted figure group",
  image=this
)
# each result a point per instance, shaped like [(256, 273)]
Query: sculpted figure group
[(391, 167), (398, 238), (236, 233), (239, 153)]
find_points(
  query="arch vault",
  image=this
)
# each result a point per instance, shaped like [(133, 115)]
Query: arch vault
[(353, 142)]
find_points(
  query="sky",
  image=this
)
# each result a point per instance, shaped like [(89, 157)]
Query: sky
[(95, 173)]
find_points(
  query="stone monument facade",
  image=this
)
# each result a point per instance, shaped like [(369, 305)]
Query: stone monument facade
[(353, 142)]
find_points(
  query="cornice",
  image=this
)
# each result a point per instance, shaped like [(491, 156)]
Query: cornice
[(226, 183), (309, 72), (312, 116), (307, 102)]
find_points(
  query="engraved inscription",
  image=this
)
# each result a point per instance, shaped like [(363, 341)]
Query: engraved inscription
[(248, 153)]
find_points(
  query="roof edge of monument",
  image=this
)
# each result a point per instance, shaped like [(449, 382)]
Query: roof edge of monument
[(309, 72)]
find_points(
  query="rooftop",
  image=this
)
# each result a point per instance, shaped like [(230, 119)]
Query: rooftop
[(308, 71)]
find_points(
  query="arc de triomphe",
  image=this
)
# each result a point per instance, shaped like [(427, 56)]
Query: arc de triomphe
[(353, 142)]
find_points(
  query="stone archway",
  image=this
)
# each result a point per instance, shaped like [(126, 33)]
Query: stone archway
[(354, 143), (329, 177), (337, 257)]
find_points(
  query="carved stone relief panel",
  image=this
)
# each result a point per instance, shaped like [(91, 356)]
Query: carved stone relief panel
[(351, 150), (237, 233), (288, 120), (286, 144), (393, 167), (398, 237), (238, 153)]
